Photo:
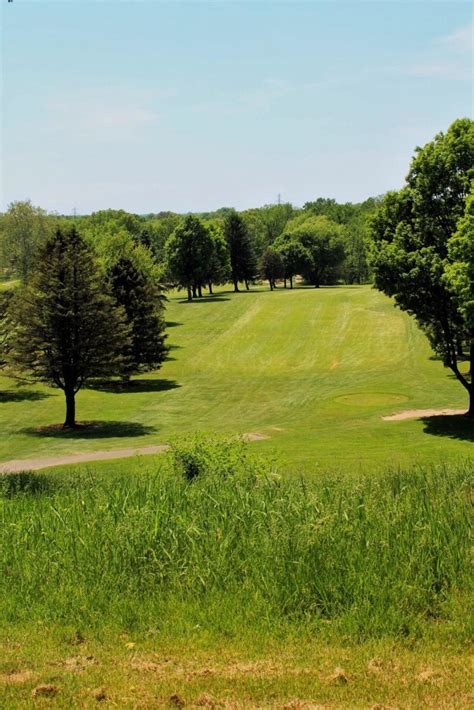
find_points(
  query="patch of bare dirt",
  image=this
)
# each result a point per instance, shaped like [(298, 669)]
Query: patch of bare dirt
[(45, 691), (418, 413), (429, 676), (255, 436), (303, 705), (100, 694), (78, 663), (375, 665), (339, 676), (17, 677), (36, 464)]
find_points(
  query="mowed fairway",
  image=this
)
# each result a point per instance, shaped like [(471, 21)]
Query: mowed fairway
[(314, 370)]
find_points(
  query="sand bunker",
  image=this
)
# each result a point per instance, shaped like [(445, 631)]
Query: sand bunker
[(419, 413)]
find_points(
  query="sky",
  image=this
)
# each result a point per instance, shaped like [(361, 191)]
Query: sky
[(189, 106)]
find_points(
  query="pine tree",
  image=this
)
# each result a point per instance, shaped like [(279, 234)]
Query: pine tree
[(66, 327), (143, 303), (242, 257)]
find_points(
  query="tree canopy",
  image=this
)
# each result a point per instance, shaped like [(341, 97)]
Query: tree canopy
[(422, 246)]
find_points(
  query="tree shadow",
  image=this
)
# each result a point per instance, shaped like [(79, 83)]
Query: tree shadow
[(217, 298), (92, 430), (172, 324), (23, 396), (454, 426), (134, 386)]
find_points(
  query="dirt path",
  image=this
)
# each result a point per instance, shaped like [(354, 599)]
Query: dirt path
[(47, 462), (36, 464), (418, 413)]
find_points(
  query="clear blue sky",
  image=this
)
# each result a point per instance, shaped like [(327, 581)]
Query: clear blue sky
[(150, 106)]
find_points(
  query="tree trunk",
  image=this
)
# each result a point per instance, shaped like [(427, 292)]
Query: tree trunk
[(194, 291), (284, 281), (470, 411), (236, 286), (210, 287), (190, 297), (247, 285), (271, 284), (200, 290), (70, 421), (291, 281)]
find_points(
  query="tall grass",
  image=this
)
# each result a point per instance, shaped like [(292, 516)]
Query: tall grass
[(236, 545)]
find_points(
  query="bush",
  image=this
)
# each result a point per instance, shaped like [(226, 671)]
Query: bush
[(199, 454)]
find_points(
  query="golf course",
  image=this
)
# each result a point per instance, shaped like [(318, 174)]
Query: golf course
[(306, 374)]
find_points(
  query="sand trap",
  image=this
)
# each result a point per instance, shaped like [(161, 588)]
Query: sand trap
[(419, 413)]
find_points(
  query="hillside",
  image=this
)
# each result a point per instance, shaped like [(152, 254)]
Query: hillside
[(309, 373)]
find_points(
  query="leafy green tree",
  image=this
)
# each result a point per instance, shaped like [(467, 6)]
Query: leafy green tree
[(422, 246), (219, 264), (142, 301), (459, 274), (243, 264), (323, 240), (23, 228), (355, 268), (66, 327), (189, 250), (272, 267), (327, 207), (296, 258)]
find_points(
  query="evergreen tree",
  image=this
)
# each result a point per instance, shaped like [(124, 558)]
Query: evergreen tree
[(242, 257), (5, 326), (143, 304), (66, 327)]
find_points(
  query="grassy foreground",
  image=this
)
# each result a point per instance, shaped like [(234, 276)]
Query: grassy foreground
[(314, 370), (239, 584)]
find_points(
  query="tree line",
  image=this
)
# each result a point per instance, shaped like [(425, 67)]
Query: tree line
[(91, 296)]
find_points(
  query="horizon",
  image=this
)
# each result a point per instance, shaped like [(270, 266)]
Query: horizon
[(149, 108)]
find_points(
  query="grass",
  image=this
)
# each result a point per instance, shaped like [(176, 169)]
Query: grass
[(370, 557), (313, 370), (132, 670), (238, 586)]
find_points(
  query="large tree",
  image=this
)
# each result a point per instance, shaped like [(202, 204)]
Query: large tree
[(189, 251), (296, 258), (422, 247), (23, 228), (218, 269), (142, 301), (66, 327), (271, 266), (243, 263), (323, 240)]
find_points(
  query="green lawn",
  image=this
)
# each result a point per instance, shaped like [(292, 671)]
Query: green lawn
[(314, 370)]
